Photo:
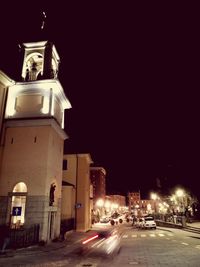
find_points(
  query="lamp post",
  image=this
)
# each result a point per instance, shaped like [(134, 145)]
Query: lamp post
[(107, 206), (154, 197), (99, 204), (180, 195)]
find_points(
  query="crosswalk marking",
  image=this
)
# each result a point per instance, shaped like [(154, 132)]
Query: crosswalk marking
[(161, 234), (158, 235), (148, 235), (134, 235), (143, 235), (152, 235)]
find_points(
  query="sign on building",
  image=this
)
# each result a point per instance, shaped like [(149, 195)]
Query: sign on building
[(16, 211)]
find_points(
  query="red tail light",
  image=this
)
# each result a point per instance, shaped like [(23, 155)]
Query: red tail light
[(89, 239)]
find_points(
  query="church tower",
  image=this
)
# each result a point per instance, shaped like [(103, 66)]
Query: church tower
[(32, 141)]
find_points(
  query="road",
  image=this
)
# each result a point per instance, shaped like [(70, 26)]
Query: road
[(160, 247)]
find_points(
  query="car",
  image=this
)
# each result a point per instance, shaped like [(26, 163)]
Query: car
[(139, 222), (104, 219), (148, 223), (106, 242)]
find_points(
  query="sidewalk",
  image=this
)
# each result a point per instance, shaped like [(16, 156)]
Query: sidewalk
[(195, 224)]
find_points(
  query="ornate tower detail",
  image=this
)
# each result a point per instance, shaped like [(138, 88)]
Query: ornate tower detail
[(40, 95)]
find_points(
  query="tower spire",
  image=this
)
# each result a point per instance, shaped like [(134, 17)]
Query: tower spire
[(43, 20)]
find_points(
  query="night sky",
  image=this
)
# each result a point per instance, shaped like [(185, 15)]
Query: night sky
[(131, 74)]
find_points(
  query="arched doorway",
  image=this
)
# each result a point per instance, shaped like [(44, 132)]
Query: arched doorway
[(18, 205)]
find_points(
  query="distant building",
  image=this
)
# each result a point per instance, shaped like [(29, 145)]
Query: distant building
[(133, 199), (141, 207), (116, 203), (98, 179)]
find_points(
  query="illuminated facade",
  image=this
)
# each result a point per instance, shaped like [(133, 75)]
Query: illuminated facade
[(141, 207), (32, 139), (133, 199), (98, 179), (117, 199)]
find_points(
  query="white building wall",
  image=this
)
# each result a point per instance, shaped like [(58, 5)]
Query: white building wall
[(33, 155)]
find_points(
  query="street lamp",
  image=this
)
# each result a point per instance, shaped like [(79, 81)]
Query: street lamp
[(107, 206), (154, 196), (180, 195), (99, 204)]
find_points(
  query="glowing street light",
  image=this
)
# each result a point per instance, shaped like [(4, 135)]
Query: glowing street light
[(179, 193), (100, 203), (107, 204), (155, 197)]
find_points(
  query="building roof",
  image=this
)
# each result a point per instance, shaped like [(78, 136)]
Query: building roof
[(4, 79), (64, 183), (80, 155), (98, 169)]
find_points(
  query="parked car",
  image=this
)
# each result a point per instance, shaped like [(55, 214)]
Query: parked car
[(104, 219), (139, 222), (148, 223)]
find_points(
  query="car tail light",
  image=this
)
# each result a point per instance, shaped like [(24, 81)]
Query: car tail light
[(89, 239)]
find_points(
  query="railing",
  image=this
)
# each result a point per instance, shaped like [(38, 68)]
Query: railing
[(20, 238), (168, 218)]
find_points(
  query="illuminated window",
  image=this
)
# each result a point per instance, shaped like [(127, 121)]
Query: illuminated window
[(18, 205)]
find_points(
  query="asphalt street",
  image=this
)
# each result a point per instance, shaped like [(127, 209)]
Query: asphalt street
[(160, 247)]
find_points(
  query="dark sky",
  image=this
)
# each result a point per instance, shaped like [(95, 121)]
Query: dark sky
[(131, 74)]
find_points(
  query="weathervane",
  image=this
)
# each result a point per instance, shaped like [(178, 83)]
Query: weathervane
[(43, 20)]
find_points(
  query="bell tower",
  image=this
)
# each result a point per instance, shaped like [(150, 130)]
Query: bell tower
[(41, 61), (31, 164), (40, 94)]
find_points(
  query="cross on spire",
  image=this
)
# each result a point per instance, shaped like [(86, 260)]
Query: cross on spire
[(43, 20)]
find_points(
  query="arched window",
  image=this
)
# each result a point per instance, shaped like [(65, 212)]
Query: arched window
[(18, 205), (20, 187), (34, 67)]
